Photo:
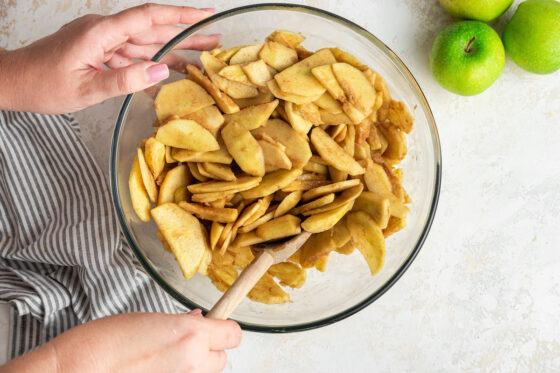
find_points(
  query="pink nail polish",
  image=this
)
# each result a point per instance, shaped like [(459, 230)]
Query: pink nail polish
[(157, 73), (208, 9), (195, 312)]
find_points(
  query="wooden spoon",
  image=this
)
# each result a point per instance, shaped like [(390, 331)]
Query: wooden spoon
[(270, 254)]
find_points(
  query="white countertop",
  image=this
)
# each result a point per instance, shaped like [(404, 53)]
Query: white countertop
[(483, 294)]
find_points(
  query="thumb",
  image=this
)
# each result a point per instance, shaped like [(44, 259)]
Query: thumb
[(129, 79)]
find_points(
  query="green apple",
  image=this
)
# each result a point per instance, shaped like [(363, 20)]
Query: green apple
[(467, 57), (480, 10), (532, 37)]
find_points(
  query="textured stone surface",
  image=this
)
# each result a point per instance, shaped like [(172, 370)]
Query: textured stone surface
[(483, 293)]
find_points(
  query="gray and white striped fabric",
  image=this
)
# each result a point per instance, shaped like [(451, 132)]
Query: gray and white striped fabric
[(62, 261)]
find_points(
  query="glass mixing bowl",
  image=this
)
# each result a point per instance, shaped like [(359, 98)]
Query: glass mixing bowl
[(347, 285)]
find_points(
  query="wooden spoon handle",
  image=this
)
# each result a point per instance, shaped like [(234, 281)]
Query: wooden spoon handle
[(244, 283)]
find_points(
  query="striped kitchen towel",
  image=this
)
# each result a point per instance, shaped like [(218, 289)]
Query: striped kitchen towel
[(62, 261)]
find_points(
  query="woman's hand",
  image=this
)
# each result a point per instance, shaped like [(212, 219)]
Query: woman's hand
[(64, 72), (136, 342)]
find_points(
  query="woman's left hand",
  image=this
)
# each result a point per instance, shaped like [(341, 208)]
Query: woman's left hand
[(64, 72)]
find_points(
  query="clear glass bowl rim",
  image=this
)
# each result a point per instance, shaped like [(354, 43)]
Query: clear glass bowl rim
[(401, 66)]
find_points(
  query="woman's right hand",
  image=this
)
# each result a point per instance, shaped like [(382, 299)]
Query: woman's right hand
[(136, 342)]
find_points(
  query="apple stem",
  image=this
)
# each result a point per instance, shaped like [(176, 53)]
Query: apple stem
[(468, 50)]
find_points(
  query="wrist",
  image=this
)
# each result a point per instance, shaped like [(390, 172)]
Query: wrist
[(12, 66)]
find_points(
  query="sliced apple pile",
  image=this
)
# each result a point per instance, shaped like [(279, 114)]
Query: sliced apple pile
[(266, 141)]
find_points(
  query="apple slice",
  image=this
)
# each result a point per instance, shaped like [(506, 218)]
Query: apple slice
[(342, 56), (187, 134), (325, 220), (325, 76), (272, 182), (224, 102), (292, 97), (246, 239), (154, 153), (175, 178), (298, 123), (315, 248), (206, 257), (140, 201), (395, 224), (329, 188), (368, 238), (253, 116), (220, 215), (203, 172), (193, 168), (287, 38), (222, 276), (334, 119), (210, 118), (288, 203), (217, 156), (331, 152), (376, 206), (277, 55), (263, 97), (240, 184), (353, 113), (267, 291), (316, 203), (236, 74), (212, 66), (396, 143), (215, 232), (244, 149), (181, 194), (328, 103), (275, 155), (309, 112), (180, 98), (258, 72), (226, 55), (376, 178), (399, 116), (219, 171), (348, 195), (340, 233), (284, 226), (246, 54), (297, 147), (288, 274), (147, 177), (355, 85), (254, 212), (184, 234), (298, 79)]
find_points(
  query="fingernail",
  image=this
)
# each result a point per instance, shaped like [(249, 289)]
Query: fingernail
[(208, 9), (195, 312), (156, 73), (216, 35)]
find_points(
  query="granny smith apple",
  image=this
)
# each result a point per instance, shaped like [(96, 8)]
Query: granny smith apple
[(532, 37), (480, 10), (467, 57)]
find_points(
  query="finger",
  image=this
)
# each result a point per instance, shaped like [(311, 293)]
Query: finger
[(216, 361), (132, 78), (195, 312), (146, 52), (141, 52), (222, 334), (117, 61), (161, 34), (135, 20)]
